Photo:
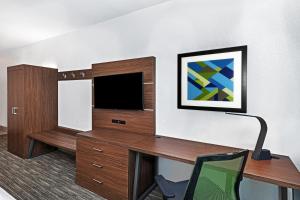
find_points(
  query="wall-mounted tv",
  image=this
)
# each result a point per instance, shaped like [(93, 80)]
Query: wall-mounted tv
[(121, 91)]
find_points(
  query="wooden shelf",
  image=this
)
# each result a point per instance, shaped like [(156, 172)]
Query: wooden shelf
[(57, 139)]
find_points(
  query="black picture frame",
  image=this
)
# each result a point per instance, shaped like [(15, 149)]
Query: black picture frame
[(243, 93)]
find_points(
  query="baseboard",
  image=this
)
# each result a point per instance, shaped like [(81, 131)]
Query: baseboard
[(3, 128)]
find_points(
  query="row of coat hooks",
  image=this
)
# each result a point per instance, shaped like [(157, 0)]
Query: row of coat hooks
[(75, 75), (82, 75)]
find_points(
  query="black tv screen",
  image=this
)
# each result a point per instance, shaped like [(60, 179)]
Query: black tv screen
[(122, 91)]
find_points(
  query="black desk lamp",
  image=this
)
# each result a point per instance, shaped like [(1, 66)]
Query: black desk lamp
[(259, 153)]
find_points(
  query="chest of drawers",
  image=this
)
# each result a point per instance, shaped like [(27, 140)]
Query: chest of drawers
[(105, 165), (102, 168)]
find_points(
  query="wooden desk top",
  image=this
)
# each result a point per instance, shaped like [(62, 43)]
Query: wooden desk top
[(280, 172), (121, 138), (177, 149)]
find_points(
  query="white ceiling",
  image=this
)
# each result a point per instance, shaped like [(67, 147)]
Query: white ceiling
[(23, 22)]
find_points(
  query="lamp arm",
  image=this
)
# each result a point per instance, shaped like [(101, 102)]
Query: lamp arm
[(261, 137), (259, 153)]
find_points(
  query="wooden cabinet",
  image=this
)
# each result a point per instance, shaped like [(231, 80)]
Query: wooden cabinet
[(102, 168), (32, 105), (102, 155), (103, 159)]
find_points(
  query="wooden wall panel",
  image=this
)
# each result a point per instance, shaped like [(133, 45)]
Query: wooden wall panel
[(136, 121), (41, 113), (149, 98), (142, 122), (145, 65), (33, 103), (49, 98), (41, 104)]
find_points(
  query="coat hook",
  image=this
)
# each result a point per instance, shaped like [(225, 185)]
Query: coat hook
[(82, 74), (64, 75), (73, 74)]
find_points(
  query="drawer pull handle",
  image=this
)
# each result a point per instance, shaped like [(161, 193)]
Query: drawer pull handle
[(100, 182), (96, 149), (96, 165)]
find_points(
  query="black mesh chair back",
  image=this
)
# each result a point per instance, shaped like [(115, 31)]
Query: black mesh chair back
[(217, 177)]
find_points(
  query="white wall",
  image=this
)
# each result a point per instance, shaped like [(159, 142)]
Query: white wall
[(270, 29), (78, 114)]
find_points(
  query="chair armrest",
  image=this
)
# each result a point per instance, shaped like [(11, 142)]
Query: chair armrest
[(163, 186)]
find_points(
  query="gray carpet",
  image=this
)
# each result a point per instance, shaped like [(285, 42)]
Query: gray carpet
[(47, 177)]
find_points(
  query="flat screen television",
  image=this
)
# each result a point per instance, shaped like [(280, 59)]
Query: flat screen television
[(122, 91)]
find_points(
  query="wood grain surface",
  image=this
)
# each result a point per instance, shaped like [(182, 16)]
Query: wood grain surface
[(142, 122)]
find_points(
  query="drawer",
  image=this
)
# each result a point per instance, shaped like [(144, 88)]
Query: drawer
[(102, 170), (106, 189), (102, 152), (103, 160), (94, 147)]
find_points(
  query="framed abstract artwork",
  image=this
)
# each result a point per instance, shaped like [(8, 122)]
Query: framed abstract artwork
[(213, 80)]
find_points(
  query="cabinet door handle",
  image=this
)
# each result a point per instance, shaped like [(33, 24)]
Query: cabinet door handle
[(96, 165), (14, 110), (96, 149), (100, 182)]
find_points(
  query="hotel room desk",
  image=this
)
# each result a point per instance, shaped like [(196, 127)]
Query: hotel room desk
[(281, 172), (130, 147)]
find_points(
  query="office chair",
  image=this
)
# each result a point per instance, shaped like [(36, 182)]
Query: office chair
[(215, 177)]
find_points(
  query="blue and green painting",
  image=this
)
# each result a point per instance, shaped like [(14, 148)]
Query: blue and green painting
[(211, 80)]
